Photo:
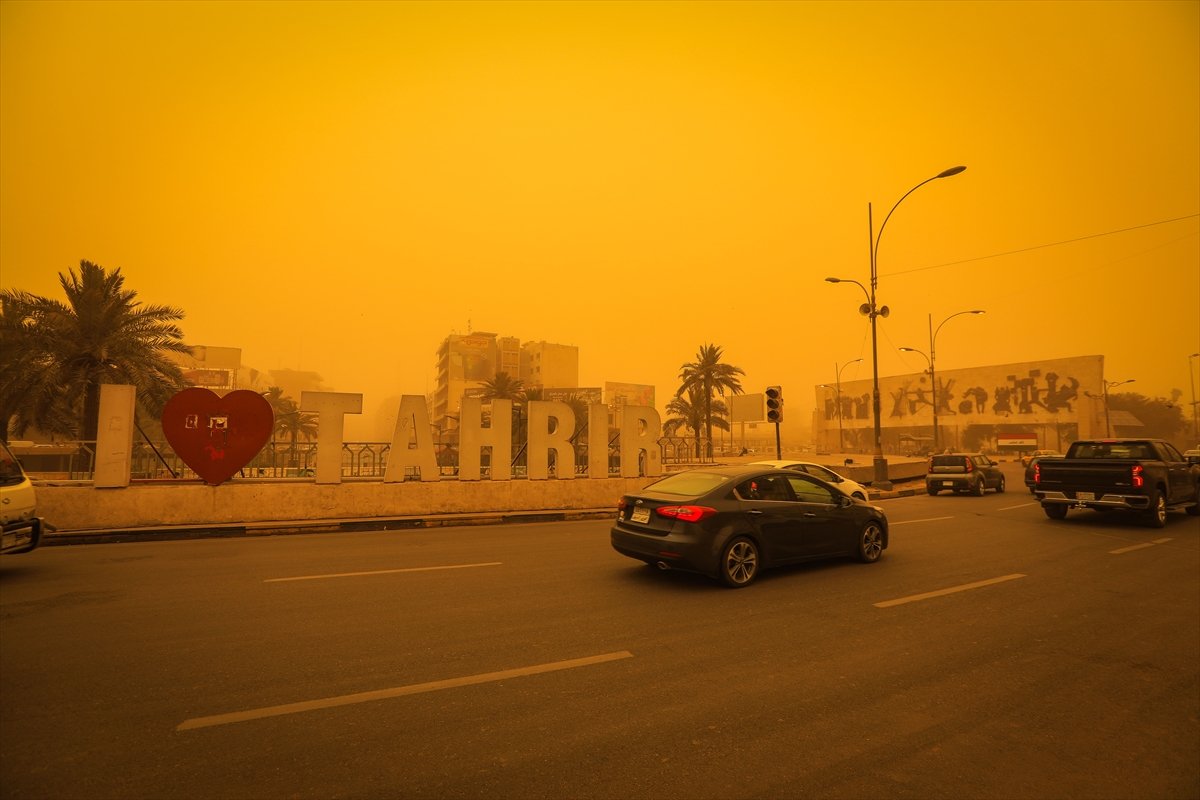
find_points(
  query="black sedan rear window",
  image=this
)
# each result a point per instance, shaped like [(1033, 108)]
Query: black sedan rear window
[(688, 484)]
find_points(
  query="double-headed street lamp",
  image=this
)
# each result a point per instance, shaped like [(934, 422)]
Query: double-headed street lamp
[(837, 373), (872, 310), (932, 359)]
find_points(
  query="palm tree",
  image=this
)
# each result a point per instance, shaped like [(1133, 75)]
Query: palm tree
[(506, 387), (54, 356), (290, 421), (278, 401), (708, 376), (689, 415)]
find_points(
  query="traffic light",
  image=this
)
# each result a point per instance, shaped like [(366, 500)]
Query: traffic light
[(774, 403)]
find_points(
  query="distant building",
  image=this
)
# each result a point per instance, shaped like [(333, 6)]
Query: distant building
[(1025, 406), (544, 364), (466, 361), (214, 368)]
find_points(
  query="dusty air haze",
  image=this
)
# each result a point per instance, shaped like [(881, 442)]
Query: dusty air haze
[(336, 187)]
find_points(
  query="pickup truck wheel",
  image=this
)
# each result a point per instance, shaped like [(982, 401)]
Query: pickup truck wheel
[(1055, 510), (931, 490), (1156, 517)]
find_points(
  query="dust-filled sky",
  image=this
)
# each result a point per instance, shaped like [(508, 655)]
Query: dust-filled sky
[(336, 186)]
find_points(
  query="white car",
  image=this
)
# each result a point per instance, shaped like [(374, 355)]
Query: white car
[(824, 473), (22, 528)]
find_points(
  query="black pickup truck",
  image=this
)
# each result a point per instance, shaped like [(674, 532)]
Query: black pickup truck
[(1146, 476)]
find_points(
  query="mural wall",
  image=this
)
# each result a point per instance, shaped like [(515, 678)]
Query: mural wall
[(1034, 394)]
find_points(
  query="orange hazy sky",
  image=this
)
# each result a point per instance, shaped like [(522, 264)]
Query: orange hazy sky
[(336, 186)]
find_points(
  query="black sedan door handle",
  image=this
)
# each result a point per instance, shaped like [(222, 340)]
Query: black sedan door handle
[(754, 511), (809, 514)]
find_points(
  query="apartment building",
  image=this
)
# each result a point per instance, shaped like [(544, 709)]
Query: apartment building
[(466, 361)]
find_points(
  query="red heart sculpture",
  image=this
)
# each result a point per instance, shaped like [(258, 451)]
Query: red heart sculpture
[(217, 436)]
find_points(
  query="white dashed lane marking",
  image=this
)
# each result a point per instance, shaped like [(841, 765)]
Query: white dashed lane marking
[(1133, 547), (398, 691), (912, 598), (380, 572)]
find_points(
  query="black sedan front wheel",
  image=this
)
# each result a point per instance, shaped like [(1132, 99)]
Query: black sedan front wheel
[(870, 542), (739, 562)]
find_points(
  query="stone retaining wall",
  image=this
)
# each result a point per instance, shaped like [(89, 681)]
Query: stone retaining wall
[(79, 506)]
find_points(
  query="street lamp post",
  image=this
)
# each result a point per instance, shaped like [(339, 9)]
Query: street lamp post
[(933, 389), (1192, 386), (872, 310), (1105, 386), (932, 359), (837, 373)]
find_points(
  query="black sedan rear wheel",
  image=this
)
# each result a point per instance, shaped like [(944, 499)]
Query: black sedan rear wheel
[(870, 542), (739, 562), (980, 487)]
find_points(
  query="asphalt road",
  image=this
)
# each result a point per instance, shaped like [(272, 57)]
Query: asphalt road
[(532, 661)]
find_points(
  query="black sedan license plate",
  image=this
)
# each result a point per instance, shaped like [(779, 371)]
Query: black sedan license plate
[(640, 515)]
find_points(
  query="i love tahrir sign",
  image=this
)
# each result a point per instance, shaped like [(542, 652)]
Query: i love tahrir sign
[(218, 435)]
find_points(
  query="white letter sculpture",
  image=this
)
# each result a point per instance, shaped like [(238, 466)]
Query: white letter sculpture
[(473, 437), (639, 435), (331, 409), (412, 442), (542, 441)]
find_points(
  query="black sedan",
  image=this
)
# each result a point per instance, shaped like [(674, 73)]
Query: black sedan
[(731, 522)]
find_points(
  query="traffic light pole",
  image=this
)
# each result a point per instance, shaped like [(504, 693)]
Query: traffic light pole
[(774, 397)]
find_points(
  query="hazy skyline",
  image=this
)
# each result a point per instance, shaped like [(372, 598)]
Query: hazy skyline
[(335, 187)]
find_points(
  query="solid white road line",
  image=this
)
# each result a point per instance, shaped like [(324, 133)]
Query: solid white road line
[(912, 598), (1131, 548), (399, 691), (911, 521), (380, 572)]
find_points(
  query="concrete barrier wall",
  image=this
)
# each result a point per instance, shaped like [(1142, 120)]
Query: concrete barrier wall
[(82, 507), (79, 506)]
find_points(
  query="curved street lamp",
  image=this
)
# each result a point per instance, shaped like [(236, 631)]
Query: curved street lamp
[(1192, 386), (837, 371), (932, 366), (872, 310), (1106, 385)]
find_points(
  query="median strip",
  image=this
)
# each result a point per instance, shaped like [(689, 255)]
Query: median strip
[(380, 572), (912, 598), (399, 691)]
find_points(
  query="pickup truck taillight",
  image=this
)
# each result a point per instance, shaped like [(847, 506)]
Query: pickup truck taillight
[(1037, 473), (1138, 480)]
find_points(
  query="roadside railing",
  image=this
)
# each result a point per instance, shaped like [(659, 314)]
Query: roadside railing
[(157, 461)]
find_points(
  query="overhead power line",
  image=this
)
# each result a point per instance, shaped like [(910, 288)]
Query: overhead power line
[(1042, 246)]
